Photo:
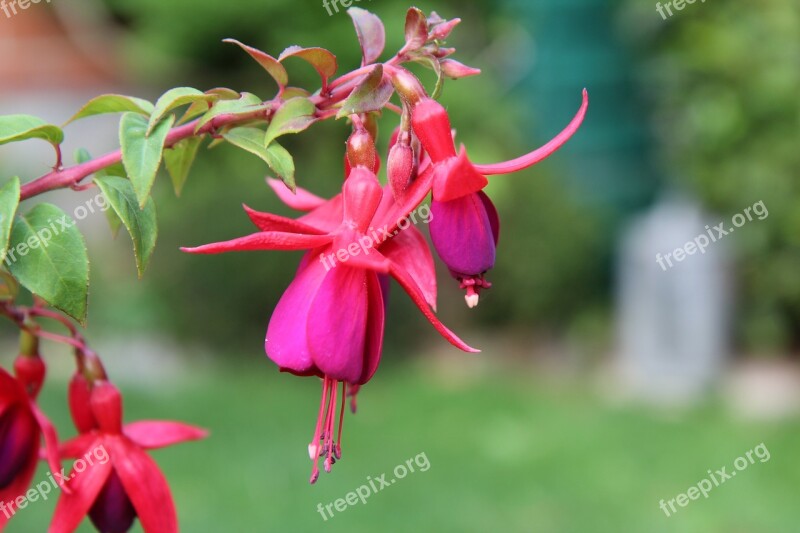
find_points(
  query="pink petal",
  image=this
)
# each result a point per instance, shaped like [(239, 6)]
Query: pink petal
[(270, 222), (456, 177), (537, 155), (302, 200), (405, 281), (12, 391), (265, 240), (410, 250), (337, 324), (84, 488), (77, 446), (373, 345), (327, 217), (146, 487), (50, 440), (362, 195), (286, 342), (152, 434)]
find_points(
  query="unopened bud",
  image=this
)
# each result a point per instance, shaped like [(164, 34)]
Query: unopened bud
[(400, 168), (30, 370), (441, 31), (361, 151), (454, 69)]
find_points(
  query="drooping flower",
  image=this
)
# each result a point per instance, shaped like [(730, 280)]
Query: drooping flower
[(329, 322), (465, 227), (118, 481), (22, 427)]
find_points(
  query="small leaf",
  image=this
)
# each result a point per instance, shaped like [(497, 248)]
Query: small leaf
[(141, 154), (323, 61), (175, 98), (456, 70), (275, 155), (371, 34), (246, 104), (48, 256), (269, 63), (416, 29), (15, 128), (140, 223), (293, 116), (200, 107), (179, 159), (370, 95), (294, 92), (9, 200), (113, 103)]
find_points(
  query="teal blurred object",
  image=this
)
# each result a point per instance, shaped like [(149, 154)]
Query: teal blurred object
[(575, 46)]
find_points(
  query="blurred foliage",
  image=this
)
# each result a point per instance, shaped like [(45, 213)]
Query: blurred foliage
[(546, 272), (722, 83)]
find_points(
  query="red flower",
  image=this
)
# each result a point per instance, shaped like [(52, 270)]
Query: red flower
[(22, 426), (307, 334), (465, 227), (118, 481)]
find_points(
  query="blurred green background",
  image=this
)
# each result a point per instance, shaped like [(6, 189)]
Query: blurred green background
[(530, 435)]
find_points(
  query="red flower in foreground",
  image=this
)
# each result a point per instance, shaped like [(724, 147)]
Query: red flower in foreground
[(22, 426), (329, 322), (465, 227), (118, 481)]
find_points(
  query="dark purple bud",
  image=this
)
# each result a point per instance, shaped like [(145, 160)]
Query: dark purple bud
[(19, 439), (112, 511)]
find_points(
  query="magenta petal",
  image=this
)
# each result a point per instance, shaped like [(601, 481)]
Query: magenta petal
[(456, 177), (84, 488), (145, 485), (362, 196), (152, 434), (410, 250), (462, 235), (265, 240), (301, 200), (327, 217), (541, 153), (373, 345), (270, 222), (337, 324), (491, 212), (286, 342), (405, 281)]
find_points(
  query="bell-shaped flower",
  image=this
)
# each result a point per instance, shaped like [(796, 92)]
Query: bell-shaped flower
[(113, 479), (465, 227), (329, 322)]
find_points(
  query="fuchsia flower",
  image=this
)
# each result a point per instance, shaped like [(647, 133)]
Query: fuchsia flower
[(22, 426), (330, 321), (465, 226), (128, 483)]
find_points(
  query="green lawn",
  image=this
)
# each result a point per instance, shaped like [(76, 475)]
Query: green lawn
[(507, 452)]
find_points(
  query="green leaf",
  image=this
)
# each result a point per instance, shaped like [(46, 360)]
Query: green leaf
[(275, 155), (175, 98), (323, 61), (200, 107), (244, 105), (9, 200), (113, 103), (81, 156), (179, 159), (15, 128), (141, 154), (293, 116), (269, 63), (371, 34), (47, 254), (370, 95), (140, 223)]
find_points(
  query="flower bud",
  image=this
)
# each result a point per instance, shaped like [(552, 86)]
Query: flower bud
[(106, 404), (441, 31), (400, 168), (454, 69), (361, 151), (79, 396), (30, 371)]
